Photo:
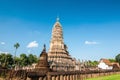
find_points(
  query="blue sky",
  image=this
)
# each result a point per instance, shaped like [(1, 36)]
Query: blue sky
[(91, 27)]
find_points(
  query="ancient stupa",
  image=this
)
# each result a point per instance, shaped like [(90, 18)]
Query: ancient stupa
[(58, 56), (43, 64)]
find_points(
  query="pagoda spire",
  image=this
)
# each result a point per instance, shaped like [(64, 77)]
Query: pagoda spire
[(57, 19), (44, 48), (58, 53)]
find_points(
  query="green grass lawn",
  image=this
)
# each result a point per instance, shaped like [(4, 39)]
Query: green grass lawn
[(111, 77)]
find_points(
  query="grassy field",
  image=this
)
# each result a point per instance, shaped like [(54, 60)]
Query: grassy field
[(111, 77)]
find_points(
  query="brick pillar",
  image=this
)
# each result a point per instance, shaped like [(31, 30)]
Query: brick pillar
[(57, 77), (64, 77), (49, 77), (45, 78), (81, 77), (53, 78), (27, 78), (40, 78), (71, 77), (68, 77), (76, 77), (61, 77)]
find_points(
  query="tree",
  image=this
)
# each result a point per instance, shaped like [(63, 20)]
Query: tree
[(18, 61), (6, 60), (24, 59), (3, 59), (9, 60), (117, 58), (92, 63), (112, 60), (17, 45), (32, 59)]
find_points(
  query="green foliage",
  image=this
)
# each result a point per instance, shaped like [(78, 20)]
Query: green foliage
[(117, 58), (6, 60), (17, 61), (2, 59), (92, 63), (32, 59), (17, 45), (24, 59), (9, 60), (112, 60)]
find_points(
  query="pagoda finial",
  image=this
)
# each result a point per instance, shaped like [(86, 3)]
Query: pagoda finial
[(44, 49), (58, 19)]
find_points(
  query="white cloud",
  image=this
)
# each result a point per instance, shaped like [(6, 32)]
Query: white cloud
[(2, 43), (32, 44), (90, 42)]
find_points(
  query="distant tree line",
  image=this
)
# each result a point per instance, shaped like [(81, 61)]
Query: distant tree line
[(8, 61), (117, 58), (92, 63)]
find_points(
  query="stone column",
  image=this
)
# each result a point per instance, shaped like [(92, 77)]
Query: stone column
[(80, 76), (71, 77), (65, 78), (40, 78), (61, 77), (68, 77), (76, 77), (45, 78), (49, 77), (27, 78), (58, 77), (53, 77)]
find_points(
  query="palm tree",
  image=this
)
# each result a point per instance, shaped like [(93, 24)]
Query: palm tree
[(17, 45)]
